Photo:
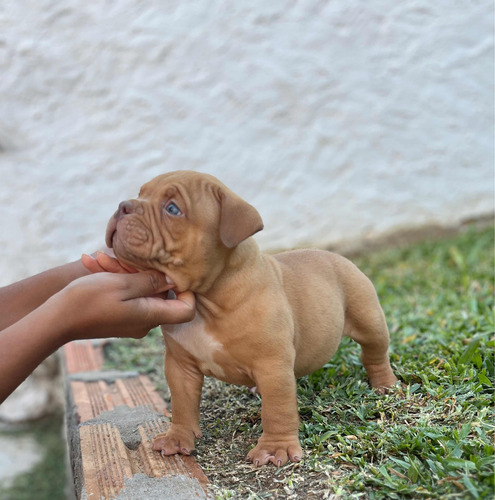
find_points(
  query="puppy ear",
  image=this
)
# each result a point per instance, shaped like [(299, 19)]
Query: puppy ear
[(238, 219)]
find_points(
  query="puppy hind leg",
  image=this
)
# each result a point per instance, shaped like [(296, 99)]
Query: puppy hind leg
[(371, 332)]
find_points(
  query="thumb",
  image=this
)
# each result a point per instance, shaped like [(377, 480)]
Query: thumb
[(144, 284), (180, 310)]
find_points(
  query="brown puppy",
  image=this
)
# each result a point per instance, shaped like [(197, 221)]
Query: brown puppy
[(261, 320)]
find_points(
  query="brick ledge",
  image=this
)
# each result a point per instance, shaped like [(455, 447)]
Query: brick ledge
[(111, 420)]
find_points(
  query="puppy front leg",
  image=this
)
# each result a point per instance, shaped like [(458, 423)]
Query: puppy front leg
[(279, 417), (185, 383)]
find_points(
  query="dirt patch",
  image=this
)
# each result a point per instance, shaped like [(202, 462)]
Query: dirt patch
[(231, 425)]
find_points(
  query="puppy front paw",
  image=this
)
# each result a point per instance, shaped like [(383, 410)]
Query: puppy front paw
[(177, 439), (275, 450)]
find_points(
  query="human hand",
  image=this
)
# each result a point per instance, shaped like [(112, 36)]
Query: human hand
[(105, 262), (118, 305)]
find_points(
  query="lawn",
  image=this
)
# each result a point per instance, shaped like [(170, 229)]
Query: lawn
[(432, 437), (47, 480)]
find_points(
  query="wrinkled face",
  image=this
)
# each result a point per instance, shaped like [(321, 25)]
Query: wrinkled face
[(183, 224)]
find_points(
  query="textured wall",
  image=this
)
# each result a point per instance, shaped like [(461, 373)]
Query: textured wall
[(337, 120)]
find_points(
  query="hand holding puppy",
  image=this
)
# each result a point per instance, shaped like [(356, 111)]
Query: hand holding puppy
[(119, 304), (41, 313)]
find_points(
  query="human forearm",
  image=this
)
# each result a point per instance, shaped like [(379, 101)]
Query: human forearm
[(96, 306), (25, 344), (19, 299)]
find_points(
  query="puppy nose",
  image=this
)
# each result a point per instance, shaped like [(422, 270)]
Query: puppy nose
[(125, 208)]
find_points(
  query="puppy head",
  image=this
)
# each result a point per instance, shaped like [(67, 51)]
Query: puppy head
[(183, 224)]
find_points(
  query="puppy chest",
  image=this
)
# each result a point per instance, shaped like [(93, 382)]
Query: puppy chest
[(193, 338)]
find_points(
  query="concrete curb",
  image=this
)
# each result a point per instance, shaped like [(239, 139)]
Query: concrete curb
[(112, 418)]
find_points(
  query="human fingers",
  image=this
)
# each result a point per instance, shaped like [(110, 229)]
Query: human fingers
[(91, 264), (171, 311), (144, 284), (112, 265), (187, 298)]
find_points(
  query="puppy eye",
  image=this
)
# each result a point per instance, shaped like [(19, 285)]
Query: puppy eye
[(173, 209)]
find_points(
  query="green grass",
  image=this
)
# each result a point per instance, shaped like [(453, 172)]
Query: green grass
[(47, 479), (432, 437)]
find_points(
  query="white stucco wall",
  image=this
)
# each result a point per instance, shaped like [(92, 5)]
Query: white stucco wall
[(337, 120)]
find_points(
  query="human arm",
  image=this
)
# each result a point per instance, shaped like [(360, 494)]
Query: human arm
[(100, 305), (19, 299)]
